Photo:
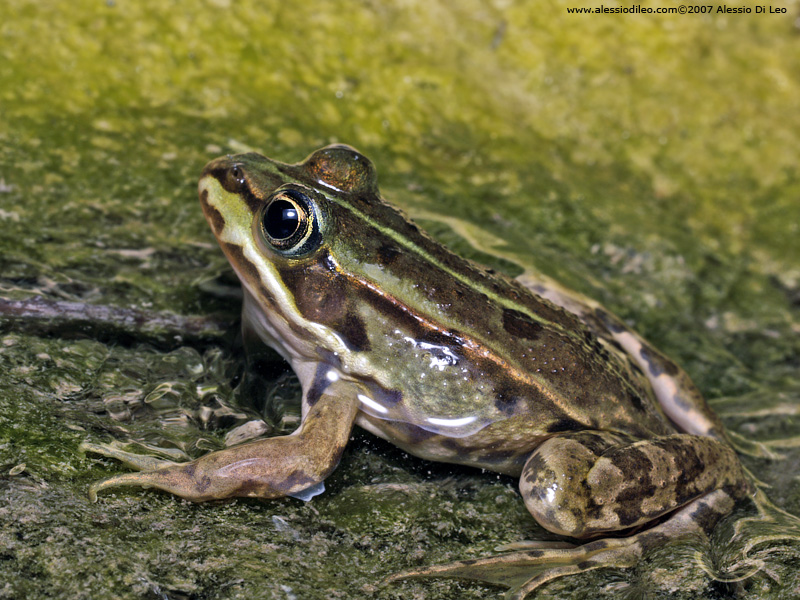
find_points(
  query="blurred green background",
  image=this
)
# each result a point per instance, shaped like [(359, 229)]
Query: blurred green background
[(650, 161)]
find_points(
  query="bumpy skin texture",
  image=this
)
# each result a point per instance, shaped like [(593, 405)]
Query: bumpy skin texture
[(624, 484), (450, 361)]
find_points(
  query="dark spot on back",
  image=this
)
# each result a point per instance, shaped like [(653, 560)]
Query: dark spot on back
[(388, 253), (505, 400), (520, 325), (636, 401)]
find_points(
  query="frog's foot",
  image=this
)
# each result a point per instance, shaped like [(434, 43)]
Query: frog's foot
[(140, 462), (524, 571)]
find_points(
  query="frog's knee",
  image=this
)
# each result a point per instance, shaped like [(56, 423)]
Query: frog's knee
[(553, 486)]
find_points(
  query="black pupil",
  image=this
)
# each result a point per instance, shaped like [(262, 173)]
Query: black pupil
[(281, 220)]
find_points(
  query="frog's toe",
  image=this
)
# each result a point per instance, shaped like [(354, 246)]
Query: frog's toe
[(127, 479), (140, 462)]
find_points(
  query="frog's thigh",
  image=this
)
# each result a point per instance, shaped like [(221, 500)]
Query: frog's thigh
[(270, 468), (677, 394), (590, 482)]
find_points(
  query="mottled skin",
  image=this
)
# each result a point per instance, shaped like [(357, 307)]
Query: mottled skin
[(452, 362)]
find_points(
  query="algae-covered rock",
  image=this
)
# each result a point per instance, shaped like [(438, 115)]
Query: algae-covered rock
[(647, 160)]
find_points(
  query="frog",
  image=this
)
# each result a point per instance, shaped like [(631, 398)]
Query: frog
[(611, 442)]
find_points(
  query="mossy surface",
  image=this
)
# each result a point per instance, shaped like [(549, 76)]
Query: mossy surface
[(650, 161)]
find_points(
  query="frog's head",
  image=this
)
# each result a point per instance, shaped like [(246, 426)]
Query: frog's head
[(289, 233)]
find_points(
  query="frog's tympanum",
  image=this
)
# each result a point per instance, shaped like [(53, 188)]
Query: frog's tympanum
[(452, 362)]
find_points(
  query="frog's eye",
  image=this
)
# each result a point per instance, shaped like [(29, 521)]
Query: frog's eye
[(289, 223), (343, 168)]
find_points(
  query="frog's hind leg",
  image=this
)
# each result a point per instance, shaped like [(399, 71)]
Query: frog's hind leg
[(524, 571), (590, 483), (676, 392)]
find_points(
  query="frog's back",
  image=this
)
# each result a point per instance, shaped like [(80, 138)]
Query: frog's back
[(449, 347)]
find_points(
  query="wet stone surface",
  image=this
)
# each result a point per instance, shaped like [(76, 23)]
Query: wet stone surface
[(649, 163)]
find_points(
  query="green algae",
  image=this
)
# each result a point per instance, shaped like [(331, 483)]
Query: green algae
[(650, 162)]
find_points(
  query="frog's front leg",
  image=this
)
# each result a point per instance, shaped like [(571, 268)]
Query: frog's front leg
[(587, 483), (270, 468)]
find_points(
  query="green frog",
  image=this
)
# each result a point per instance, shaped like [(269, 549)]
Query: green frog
[(389, 330)]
